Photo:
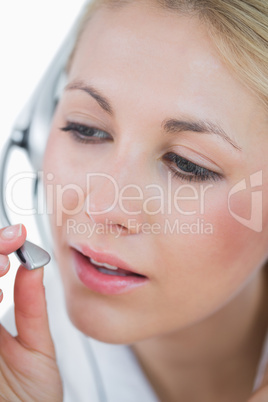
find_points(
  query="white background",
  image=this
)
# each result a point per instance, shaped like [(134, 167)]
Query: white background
[(30, 33)]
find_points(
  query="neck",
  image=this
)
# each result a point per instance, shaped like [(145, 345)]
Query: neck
[(212, 351)]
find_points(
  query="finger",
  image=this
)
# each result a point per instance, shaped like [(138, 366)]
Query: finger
[(12, 238), (4, 268), (4, 264), (30, 311)]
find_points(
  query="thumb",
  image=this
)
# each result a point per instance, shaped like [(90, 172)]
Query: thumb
[(31, 311)]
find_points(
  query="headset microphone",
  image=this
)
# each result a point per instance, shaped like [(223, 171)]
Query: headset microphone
[(30, 133)]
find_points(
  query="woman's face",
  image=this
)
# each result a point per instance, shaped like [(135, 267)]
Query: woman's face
[(148, 141)]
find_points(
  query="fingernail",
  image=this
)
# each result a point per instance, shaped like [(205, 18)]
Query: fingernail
[(4, 263), (11, 232)]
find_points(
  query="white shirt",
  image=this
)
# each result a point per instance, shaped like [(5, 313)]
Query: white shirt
[(94, 371)]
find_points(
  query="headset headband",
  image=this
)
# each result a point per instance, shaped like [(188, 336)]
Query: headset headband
[(31, 128), (31, 131)]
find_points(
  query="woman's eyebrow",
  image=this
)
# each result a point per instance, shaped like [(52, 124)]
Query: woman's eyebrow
[(170, 126), (200, 126), (96, 94)]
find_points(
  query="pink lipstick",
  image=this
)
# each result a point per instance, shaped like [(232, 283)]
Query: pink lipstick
[(104, 273)]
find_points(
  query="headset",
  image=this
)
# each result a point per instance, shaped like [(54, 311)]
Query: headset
[(30, 133)]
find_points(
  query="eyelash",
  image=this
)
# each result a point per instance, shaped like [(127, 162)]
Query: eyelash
[(85, 134), (192, 172)]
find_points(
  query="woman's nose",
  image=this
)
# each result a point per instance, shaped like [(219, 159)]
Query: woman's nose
[(109, 202)]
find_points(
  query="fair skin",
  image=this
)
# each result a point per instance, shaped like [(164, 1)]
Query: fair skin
[(28, 360), (187, 324)]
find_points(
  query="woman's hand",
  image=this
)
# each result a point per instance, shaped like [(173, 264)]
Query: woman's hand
[(28, 368)]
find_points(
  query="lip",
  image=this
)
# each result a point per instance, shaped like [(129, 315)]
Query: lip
[(100, 282), (104, 258)]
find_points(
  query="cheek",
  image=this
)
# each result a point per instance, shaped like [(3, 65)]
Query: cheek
[(64, 186), (235, 241), (204, 270), (61, 163)]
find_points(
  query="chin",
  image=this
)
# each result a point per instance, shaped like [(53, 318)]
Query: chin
[(100, 323)]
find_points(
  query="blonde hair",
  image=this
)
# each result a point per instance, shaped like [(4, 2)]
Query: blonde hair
[(238, 28)]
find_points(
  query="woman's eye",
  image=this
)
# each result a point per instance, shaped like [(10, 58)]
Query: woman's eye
[(189, 171), (86, 134)]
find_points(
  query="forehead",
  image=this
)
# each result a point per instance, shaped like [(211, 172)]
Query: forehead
[(141, 53), (155, 37)]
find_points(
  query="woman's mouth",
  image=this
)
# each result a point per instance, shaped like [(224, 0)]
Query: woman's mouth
[(110, 269), (101, 276)]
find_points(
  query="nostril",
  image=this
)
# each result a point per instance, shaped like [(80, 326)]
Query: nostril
[(89, 215), (120, 228), (123, 227)]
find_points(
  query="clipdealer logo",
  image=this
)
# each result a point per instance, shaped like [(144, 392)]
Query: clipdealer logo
[(255, 220), (192, 203)]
